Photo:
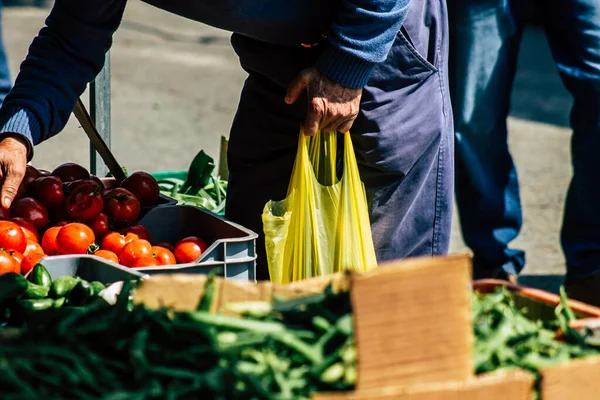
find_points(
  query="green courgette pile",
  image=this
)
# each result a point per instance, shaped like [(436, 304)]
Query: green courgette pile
[(507, 338), (21, 297), (284, 350)]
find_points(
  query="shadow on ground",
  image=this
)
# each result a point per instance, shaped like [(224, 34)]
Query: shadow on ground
[(550, 283)]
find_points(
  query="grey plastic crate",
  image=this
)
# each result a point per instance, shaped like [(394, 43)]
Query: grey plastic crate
[(232, 246), (89, 268)]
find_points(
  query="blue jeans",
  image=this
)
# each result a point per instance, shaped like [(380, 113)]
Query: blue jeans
[(485, 37), (403, 137), (5, 82)]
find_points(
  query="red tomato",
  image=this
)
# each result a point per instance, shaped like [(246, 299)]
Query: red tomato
[(84, 201), (100, 226), (33, 247), (8, 263), (12, 236), (4, 213), (97, 180), (121, 206), (107, 255), (48, 190), (68, 172), (145, 262), (17, 255), (32, 210), (143, 186), (31, 174), (140, 230), (49, 240), (62, 223), (114, 241), (29, 229), (166, 245), (164, 256), (189, 249), (30, 261), (75, 238), (59, 214), (134, 251)]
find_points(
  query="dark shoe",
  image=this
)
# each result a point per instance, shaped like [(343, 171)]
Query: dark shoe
[(586, 290)]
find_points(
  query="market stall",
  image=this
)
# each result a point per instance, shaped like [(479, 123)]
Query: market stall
[(137, 288)]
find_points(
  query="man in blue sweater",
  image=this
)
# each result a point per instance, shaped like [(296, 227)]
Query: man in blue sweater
[(376, 66)]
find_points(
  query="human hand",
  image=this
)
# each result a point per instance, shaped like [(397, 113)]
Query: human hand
[(331, 106), (13, 163)]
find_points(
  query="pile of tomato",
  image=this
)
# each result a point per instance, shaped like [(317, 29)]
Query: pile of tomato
[(68, 211)]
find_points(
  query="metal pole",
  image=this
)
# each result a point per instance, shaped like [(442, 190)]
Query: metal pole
[(100, 113)]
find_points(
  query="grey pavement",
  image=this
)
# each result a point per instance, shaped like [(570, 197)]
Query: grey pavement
[(175, 89)]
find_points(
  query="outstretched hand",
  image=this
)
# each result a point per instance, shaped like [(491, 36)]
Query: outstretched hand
[(13, 164)]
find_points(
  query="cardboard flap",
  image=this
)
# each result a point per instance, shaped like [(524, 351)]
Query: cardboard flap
[(413, 322), (577, 379), (504, 385)]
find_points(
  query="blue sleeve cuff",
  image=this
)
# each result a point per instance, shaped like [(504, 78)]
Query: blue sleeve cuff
[(20, 122), (344, 68)]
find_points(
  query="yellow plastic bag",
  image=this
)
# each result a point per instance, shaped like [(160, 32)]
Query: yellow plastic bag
[(322, 226)]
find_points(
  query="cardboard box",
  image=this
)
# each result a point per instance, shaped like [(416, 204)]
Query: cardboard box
[(503, 385), (577, 379), (413, 319)]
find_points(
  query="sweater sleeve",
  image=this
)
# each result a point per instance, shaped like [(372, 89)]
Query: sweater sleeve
[(66, 55), (361, 37)]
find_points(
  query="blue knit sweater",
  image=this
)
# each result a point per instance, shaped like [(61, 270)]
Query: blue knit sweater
[(69, 51)]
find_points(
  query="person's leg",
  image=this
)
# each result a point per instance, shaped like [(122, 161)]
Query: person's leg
[(5, 81), (485, 40), (264, 135), (573, 29), (403, 140)]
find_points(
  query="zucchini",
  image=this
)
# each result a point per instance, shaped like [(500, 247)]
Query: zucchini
[(81, 294), (12, 286), (97, 287), (58, 303), (36, 304), (36, 291), (63, 285), (40, 276)]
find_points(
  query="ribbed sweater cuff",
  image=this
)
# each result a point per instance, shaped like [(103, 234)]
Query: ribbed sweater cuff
[(344, 68), (21, 123)]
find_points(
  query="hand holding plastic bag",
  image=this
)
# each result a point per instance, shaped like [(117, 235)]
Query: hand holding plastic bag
[(322, 226)]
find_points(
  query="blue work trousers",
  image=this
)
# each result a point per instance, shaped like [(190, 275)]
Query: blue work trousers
[(485, 38), (403, 137)]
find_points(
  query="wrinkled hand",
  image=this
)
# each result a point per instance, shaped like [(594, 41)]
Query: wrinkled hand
[(13, 163), (331, 106)]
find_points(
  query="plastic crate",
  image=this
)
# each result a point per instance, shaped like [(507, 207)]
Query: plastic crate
[(181, 175), (89, 268), (231, 246), (170, 175)]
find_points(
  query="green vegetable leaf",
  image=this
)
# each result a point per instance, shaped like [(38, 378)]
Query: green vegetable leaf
[(199, 173)]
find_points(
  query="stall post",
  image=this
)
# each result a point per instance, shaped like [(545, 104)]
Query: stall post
[(100, 113)]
